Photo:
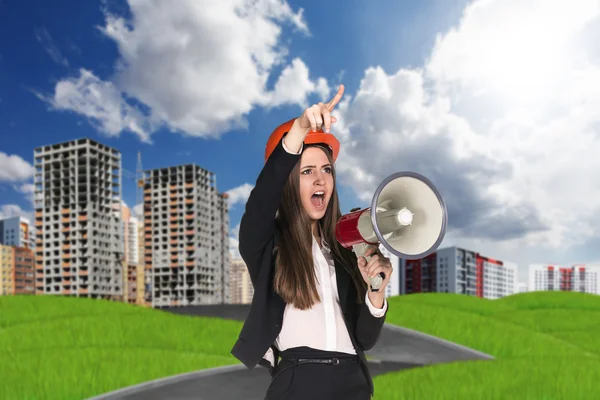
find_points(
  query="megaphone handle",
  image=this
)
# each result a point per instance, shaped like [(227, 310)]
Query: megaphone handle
[(359, 250)]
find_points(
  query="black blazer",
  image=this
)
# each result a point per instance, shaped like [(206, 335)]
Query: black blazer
[(258, 235)]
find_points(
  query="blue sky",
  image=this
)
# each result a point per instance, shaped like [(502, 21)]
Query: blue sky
[(396, 33), (470, 110)]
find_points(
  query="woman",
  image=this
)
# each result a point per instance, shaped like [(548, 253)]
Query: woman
[(311, 306)]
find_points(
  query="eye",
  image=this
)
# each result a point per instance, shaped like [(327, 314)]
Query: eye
[(306, 170), (328, 170)]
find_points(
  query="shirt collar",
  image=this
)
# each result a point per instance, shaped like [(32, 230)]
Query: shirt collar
[(324, 245)]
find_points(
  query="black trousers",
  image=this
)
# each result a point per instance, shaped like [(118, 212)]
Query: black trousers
[(310, 374)]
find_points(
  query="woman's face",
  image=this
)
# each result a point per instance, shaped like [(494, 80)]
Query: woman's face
[(316, 182)]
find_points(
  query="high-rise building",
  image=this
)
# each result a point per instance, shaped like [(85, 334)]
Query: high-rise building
[(419, 276), (140, 271), (80, 243), (240, 283), (130, 233), (131, 274), (184, 228), (7, 258), (17, 231), (456, 270), (573, 278), (17, 270)]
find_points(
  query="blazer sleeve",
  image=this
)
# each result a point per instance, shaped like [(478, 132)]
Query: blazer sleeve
[(257, 225), (369, 326)]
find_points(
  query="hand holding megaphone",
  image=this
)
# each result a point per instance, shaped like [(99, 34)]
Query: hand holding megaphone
[(374, 266), (407, 216)]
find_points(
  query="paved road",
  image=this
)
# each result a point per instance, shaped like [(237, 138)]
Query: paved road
[(395, 344), (240, 383), (398, 348)]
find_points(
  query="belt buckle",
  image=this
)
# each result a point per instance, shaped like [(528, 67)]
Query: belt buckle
[(336, 361)]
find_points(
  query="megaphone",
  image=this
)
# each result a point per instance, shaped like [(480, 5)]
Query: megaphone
[(407, 215)]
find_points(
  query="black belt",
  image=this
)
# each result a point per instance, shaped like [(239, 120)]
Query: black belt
[(333, 361)]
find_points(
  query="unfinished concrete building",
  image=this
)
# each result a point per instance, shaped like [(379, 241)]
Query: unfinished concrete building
[(185, 226), (79, 248)]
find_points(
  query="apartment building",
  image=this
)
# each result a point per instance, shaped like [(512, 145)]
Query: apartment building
[(6, 269), (17, 231), (456, 270), (242, 290), (572, 278), (420, 276), (80, 247), (17, 270), (184, 237), (133, 276), (130, 234)]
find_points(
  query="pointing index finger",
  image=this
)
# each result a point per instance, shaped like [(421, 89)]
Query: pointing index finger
[(336, 99)]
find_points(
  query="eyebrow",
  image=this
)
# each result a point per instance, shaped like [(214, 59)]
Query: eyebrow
[(314, 166)]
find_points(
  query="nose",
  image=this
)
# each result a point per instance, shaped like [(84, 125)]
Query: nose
[(319, 179)]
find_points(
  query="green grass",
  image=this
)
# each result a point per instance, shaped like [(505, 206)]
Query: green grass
[(546, 346), (69, 348)]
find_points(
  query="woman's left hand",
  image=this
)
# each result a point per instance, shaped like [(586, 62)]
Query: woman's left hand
[(377, 264)]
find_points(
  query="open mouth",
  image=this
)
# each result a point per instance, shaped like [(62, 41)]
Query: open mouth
[(318, 199)]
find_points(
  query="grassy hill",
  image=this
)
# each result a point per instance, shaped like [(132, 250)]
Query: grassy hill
[(70, 348), (546, 345)]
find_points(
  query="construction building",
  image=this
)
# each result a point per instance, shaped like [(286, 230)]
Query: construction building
[(571, 278), (80, 246), (17, 231), (185, 242), (456, 270), (17, 270)]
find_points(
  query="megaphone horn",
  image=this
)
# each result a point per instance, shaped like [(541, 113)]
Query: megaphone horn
[(407, 215)]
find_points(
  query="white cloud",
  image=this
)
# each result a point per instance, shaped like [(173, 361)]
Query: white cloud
[(13, 210), (196, 69), (504, 121), (239, 194), (294, 85), (46, 40), (138, 212), (101, 102), (234, 243), (13, 168), (29, 190)]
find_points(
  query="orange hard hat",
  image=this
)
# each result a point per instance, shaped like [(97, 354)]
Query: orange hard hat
[(318, 136)]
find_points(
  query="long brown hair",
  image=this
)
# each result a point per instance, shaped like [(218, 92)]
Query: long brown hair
[(295, 279)]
